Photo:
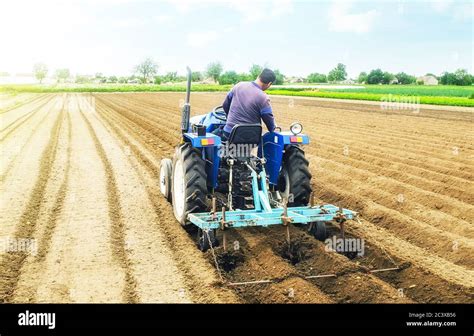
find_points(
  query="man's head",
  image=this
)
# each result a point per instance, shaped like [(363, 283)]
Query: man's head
[(266, 78)]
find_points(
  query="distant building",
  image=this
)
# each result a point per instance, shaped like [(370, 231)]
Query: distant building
[(208, 80), (293, 80), (427, 80), (347, 81)]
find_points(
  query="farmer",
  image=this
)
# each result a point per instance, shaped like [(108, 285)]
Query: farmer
[(247, 103)]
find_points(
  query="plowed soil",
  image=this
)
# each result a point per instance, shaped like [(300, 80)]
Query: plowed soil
[(79, 179)]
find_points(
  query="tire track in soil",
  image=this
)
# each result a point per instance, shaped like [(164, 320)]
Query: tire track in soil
[(201, 280), (147, 245), (45, 241), (117, 229), (16, 188), (23, 103), (21, 120), (80, 266), (20, 150), (12, 261), (55, 194)]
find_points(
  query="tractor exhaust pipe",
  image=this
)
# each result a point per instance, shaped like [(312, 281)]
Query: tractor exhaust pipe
[(187, 106)]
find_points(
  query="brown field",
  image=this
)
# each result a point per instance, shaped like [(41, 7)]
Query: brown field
[(79, 176)]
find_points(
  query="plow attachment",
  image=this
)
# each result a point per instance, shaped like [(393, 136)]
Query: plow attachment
[(275, 216)]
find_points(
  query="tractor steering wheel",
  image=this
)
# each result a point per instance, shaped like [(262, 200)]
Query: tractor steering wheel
[(219, 113)]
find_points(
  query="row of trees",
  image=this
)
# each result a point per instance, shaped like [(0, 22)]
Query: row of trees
[(146, 72), (338, 74), (215, 71), (459, 77), (41, 70), (377, 76)]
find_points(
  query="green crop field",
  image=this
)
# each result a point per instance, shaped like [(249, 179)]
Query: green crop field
[(419, 90), (110, 88), (387, 97), (436, 95), (406, 90)]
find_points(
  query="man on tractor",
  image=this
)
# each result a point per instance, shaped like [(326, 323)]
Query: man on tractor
[(247, 103)]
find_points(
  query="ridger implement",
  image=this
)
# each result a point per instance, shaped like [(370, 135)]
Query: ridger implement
[(248, 180)]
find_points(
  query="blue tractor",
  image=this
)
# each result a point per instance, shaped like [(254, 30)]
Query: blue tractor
[(247, 180)]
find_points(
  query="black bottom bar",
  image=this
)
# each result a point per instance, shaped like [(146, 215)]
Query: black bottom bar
[(416, 319)]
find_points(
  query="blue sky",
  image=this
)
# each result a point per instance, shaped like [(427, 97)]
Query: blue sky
[(297, 37)]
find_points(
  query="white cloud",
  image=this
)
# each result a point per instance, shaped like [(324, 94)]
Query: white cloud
[(401, 8), (251, 10), (127, 22), (463, 11), (459, 11), (202, 39), (255, 10), (342, 20), (441, 5), (163, 18), (455, 56)]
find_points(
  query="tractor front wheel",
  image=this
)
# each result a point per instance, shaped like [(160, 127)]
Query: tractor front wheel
[(166, 168), (189, 188)]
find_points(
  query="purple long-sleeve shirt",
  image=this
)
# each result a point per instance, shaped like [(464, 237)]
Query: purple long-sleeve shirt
[(246, 103)]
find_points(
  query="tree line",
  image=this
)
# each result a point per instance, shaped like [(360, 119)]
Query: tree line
[(377, 76), (147, 72)]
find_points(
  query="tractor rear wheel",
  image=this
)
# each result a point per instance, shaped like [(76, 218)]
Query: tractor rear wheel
[(189, 186), (295, 178)]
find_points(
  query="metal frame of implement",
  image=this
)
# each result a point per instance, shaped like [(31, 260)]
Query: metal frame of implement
[(245, 218), (264, 215)]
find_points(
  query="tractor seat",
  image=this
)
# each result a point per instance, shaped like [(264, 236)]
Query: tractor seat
[(246, 139), (246, 134)]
